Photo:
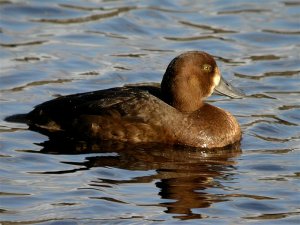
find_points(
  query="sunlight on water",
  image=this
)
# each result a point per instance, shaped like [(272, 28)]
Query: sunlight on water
[(53, 48)]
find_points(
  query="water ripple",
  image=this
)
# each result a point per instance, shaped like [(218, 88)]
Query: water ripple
[(52, 48), (94, 17)]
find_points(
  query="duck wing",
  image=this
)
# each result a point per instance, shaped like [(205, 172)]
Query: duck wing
[(59, 114)]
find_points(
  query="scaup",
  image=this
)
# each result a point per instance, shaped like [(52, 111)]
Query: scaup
[(174, 113)]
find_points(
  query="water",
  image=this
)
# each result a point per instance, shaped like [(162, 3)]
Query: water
[(52, 48)]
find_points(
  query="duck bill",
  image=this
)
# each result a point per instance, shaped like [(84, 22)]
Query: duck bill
[(225, 88)]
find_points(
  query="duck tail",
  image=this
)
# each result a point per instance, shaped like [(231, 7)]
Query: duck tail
[(18, 118)]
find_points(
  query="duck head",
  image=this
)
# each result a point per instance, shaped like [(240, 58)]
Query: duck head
[(190, 78)]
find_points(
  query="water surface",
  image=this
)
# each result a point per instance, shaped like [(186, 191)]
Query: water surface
[(53, 48)]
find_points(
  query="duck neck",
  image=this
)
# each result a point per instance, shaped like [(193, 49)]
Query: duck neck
[(182, 94)]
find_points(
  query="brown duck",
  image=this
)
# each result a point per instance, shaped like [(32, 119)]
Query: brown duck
[(174, 113)]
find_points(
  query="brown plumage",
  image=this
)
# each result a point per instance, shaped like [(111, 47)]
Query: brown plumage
[(172, 114)]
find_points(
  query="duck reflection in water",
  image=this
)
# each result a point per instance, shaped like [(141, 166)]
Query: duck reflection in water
[(182, 173)]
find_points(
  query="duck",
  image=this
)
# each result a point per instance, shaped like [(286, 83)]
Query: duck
[(174, 112)]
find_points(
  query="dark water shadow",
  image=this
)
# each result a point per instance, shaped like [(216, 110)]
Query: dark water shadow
[(94, 17), (182, 174)]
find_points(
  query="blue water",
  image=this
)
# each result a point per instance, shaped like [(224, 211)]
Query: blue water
[(52, 48)]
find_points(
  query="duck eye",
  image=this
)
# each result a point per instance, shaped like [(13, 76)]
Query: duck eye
[(206, 67)]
